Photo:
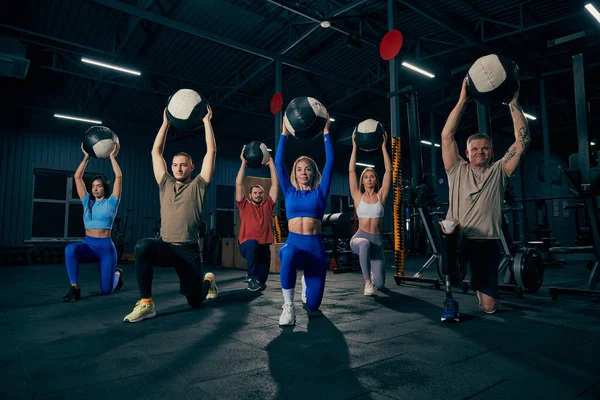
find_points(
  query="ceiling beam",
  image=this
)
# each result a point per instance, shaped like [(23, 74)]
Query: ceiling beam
[(191, 30)]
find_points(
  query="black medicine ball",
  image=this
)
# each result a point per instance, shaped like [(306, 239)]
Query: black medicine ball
[(186, 108), (369, 135), (99, 141), (305, 117), (493, 80), (256, 154)]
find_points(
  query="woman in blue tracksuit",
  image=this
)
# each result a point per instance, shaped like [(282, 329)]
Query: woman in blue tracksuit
[(99, 211), (305, 192)]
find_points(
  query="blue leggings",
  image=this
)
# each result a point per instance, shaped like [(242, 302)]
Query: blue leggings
[(94, 249), (304, 252)]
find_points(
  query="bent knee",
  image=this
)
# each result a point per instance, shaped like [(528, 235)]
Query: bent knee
[(489, 307)]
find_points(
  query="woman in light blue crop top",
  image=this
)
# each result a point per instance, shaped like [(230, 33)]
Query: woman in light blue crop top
[(369, 201), (99, 212), (305, 192)]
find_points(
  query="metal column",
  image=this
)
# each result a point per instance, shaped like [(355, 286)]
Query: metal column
[(483, 119), (412, 108), (433, 150), (546, 140), (394, 85), (278, 121)]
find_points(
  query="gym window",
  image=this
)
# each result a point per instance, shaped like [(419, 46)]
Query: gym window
[(57, 209)]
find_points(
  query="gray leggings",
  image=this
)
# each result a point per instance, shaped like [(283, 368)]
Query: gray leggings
[(369, 248)]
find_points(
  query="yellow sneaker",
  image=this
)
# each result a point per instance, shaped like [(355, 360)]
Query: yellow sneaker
[(141, 311), (213, 292)]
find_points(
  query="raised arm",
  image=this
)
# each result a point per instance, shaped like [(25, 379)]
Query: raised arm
[(208, 164), (386, 182), (118, 183), (159, 166), (353, 180), (329, 159), (274, 191), (282, 173), (240, 191), (79, 183), (512, 158), (450, 154)]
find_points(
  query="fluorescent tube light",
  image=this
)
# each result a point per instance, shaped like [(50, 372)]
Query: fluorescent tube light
[(91, 121), (419, 70), (110, 66)]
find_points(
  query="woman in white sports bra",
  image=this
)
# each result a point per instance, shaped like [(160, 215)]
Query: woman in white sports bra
[(369, 200)]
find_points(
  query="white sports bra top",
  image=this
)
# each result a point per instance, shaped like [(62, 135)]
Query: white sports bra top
[(366, 210)]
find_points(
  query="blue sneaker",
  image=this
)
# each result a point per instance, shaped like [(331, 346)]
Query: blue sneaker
[(450, 310)]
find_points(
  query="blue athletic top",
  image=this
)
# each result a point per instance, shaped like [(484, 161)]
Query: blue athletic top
[(101, 214), (304, 203)]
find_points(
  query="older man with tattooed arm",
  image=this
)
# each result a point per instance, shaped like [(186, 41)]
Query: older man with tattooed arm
[(476, 193)]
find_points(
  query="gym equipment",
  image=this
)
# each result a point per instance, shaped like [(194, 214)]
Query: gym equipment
[(493, 80), (256, 154), (99, 141), (118, 235), (305, 117), (186, 109), (338, 242), (369, 135)]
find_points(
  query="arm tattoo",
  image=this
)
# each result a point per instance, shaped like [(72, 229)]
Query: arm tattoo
[(524, 136), (510, 154)]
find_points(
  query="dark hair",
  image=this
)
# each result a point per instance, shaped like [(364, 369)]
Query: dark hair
[(105, 186), (258, 186), (183, 153)]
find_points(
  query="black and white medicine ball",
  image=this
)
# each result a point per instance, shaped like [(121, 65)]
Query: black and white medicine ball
[(256, 154), (369, 135), (99, 141), (493, 80), (186, 108), (305, 117)]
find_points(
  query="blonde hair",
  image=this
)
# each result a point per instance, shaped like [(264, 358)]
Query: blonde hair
[(311, 163), (362, 186)]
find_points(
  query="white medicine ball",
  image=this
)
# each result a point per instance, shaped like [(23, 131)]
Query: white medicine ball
[(305, 117), (99, 141), (369, 135), (493, 80), (186, 108)]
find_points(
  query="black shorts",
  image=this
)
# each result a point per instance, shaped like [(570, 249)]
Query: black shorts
[(484, 257)]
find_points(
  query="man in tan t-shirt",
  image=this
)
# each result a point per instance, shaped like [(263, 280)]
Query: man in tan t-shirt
[(476, 193), (181, 203)]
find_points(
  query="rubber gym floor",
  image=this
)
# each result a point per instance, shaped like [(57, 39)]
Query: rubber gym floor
[(392, 346)]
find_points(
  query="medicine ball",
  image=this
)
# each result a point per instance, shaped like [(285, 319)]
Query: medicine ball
[(369, 135), (493, 80), (185, 109), (305, 117), (256, 154), (99, 141)]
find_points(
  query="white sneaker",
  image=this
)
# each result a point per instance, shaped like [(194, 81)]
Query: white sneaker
[(303, 290), (288, 316), (369, 289), (213, 291)]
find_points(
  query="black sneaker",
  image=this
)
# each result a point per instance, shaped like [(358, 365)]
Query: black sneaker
[(120, 283), (254, 285), (72, 295)]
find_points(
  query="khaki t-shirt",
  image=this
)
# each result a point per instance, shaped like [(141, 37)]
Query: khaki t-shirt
[(477, 202), (181, 209)]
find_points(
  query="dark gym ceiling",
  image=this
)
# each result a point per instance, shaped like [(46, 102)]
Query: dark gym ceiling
[(224, 49)]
